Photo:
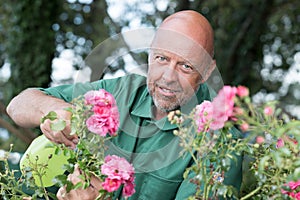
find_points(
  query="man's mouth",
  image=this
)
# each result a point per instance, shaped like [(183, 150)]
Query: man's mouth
[(166, 91)]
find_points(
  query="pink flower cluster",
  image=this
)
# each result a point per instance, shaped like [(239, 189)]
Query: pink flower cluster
[(105, 118), (213, 115), (293, 185), (281, 141), (118, 172)]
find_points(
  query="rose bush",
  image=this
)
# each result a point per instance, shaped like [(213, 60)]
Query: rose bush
[(269, 141), (95, 120)]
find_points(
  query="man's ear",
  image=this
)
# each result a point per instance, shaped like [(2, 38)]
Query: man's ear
[(208, 71)]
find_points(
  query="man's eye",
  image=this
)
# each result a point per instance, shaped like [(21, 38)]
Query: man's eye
[(161, 58), (187, 67)]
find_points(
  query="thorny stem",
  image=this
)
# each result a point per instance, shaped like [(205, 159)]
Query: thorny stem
[(251, 193)]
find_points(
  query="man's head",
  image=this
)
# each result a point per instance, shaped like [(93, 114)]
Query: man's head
[(180, 59)]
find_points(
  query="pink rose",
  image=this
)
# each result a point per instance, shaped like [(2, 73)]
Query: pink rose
[(128, 189), (102, 124), (260, 139), (297, 196), (244, 126), (203, 115), (294, 184), (242, 91), (111, 185), (218, 122), (223, 105), (118, 171), (99, 97), (117, 167), (268, 110), (106, 115), (280, 143)]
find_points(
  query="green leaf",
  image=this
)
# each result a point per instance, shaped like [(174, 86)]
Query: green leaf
[(263, 163), (51, 115), (58, 125)]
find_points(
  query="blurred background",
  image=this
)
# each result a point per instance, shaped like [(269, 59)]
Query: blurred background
[(42, 43)]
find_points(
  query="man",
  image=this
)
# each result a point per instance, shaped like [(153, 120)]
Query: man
[(180, 61)]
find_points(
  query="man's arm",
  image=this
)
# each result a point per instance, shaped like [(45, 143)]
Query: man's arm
[(27, 109)]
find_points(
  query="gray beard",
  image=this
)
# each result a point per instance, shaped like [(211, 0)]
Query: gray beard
[(164, 109)]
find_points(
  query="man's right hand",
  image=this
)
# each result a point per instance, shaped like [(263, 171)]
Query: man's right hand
[(63, 136)]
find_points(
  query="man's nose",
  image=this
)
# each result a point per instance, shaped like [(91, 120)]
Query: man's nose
[(170, 73)]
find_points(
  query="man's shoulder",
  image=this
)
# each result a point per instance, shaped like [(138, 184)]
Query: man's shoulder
[(128, 85), (127, 79)]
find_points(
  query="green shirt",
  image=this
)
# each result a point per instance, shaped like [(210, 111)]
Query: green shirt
[(148, 144)]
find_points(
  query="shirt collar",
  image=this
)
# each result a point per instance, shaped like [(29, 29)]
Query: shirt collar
[(143, 107)]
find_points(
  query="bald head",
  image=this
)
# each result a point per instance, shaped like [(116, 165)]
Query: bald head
[(192, 25)]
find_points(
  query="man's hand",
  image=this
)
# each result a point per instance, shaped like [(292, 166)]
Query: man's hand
[(90, 193), (63, 136)]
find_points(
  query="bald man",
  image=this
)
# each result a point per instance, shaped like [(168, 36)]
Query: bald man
[(180, 61)]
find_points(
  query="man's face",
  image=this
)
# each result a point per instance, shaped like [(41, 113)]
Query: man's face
[(172, 80), (177, 66)]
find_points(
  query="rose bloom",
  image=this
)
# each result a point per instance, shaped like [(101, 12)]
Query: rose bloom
[(106, 115), (111, 185), (280, 143), (242, 91), (118, 170), (117, 167), (128, 189), (203, 115), (244, 126), (99, 97), (102, 124), (293, 185), (223, 105), (260, 139), (268, 110)]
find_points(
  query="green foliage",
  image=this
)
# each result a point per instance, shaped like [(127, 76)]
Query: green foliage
[(271, 145), (30, 44), (15, 186)]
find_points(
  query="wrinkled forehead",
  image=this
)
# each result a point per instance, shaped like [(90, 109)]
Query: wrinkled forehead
[(182, 46)]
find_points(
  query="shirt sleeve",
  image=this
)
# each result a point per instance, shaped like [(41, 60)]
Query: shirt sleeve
[(71, 91), (115, 85)]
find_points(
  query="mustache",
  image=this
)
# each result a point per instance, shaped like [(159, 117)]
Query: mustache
[(174, 86)]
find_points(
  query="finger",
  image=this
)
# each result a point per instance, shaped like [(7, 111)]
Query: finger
[(96, 183), (62, 138), (61, 193), (84, 194), (46, 130), (56, 136), (74, 178)]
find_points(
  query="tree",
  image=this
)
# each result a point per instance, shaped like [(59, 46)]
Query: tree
[(256, 41), (29, 48)]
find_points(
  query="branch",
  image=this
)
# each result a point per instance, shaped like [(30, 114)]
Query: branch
[(251, 20), (15, 131)]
